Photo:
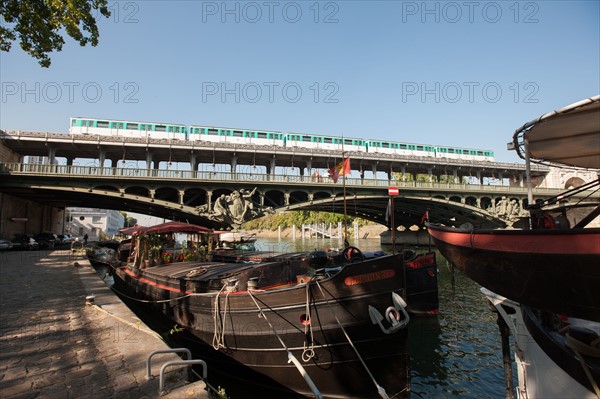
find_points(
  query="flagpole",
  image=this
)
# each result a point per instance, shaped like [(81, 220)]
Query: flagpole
[(344, 188), (393, 228)]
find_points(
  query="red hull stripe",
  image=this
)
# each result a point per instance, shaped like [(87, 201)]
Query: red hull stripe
[(152, 283), (566, 244), (166, 287)]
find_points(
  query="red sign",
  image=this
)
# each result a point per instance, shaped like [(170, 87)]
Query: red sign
[(392, 190)]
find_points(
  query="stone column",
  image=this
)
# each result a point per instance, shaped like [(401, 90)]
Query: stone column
[(193, 163), (271, 169), (209, 200), (233, 166), (149, 160), (51, 155), (101, 157)]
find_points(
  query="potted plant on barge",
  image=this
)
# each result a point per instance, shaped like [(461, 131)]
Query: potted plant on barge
[(189, 256), (167, 257)]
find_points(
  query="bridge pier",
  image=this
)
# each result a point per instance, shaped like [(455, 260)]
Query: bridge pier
[(193, 162)]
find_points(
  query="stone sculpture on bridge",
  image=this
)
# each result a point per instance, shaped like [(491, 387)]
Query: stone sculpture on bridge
[(507, 210), (234, 209)]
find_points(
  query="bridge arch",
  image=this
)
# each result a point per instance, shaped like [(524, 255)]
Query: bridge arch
[(167, 194), (298, 196), (138, 190)]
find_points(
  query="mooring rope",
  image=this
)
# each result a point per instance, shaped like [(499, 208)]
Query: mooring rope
[(590, 350), (309, 350), (380, 389), (291, 357), (219, 338)]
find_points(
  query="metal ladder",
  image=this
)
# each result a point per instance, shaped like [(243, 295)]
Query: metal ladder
[(186, 362)]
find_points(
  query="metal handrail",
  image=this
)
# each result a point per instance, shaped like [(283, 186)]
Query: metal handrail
[(130, 173), (149, 375), (161, 380)]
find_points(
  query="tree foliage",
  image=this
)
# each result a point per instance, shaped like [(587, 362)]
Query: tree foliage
[(298, 218), (36, 24), (129, 221)]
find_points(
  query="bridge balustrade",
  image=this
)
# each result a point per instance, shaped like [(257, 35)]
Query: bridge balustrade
[(189, 175)]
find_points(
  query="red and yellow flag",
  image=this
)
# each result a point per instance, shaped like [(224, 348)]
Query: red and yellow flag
[(340, 169)]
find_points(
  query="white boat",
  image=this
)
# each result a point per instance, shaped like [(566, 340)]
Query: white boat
[(236, 237)]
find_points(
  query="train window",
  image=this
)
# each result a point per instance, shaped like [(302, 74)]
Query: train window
[(348, 141), (116, 125), (132, 126), (307, 138), (238, 133), (328, 140), (160, 128), (385, 144), (261, 135), (213, 132), (103, 124), (419, 148), (403, 146), (479, 152)]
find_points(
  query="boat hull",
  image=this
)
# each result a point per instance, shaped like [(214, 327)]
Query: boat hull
[(337, 308), (553, 270)]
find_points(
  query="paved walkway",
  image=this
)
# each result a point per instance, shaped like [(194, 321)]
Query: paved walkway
[(53, 345)]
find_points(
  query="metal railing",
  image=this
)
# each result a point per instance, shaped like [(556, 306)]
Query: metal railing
[(98, 172)]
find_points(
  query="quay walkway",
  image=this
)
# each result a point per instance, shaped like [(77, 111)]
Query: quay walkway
[(54, 345)]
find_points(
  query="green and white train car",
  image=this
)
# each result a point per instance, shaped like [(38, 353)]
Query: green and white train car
[(237, 136), (107, 127), (332, 143)]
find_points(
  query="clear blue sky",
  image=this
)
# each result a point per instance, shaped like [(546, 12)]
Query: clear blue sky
[(450, 73)]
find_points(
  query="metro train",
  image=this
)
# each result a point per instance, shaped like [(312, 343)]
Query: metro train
[(106, 127)]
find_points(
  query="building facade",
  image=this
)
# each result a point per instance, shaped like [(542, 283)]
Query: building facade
[(98, 224)]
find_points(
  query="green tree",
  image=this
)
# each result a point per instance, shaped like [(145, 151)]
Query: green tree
[(129, 221), (36, 24)]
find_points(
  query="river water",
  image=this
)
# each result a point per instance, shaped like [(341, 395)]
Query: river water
[(455, 354)]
